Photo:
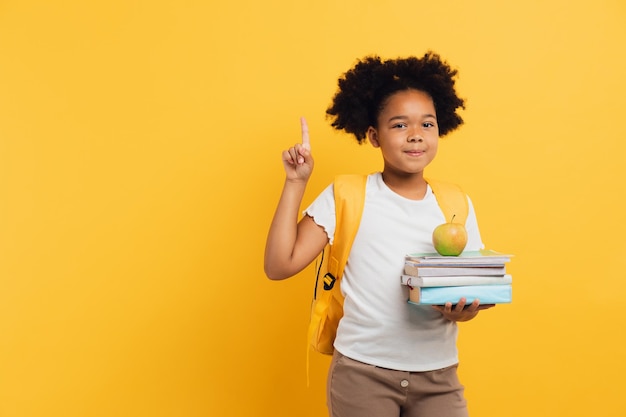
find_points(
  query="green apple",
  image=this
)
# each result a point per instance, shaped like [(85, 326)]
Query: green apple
[(450, 238)]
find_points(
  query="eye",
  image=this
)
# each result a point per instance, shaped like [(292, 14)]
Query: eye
[(398, 126), (428, 124)]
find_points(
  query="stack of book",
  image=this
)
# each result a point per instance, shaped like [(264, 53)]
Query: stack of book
[(435, 280)]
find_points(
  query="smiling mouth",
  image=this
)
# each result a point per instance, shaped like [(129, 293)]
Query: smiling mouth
[(414, 153)]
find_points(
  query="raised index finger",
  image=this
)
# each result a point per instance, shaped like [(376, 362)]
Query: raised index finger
[(306, 143)]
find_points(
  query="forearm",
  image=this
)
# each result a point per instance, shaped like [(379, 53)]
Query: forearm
[(282, 236)]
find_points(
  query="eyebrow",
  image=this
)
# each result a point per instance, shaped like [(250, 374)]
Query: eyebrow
[(402, 117)]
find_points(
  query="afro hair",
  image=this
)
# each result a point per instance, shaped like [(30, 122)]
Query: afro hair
[(364, 89)]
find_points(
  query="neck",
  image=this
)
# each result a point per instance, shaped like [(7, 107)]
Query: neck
[(411, 186)]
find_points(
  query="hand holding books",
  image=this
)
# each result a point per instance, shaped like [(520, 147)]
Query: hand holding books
[(461, 311)]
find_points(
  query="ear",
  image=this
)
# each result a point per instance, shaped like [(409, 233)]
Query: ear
[(372, 136)]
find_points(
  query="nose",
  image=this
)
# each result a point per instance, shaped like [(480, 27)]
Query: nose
[(414, 136)]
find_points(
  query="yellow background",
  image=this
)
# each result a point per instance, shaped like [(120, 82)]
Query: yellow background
[(140, 166)]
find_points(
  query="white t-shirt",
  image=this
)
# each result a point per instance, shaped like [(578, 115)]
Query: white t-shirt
[(379, 327)]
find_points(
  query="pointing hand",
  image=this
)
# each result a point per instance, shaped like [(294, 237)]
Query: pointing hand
[(297, 160)]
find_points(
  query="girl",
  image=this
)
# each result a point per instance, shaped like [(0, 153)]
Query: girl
[(391, 358)]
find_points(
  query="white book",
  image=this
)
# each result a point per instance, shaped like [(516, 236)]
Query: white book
[(415, 269), (452, 281)]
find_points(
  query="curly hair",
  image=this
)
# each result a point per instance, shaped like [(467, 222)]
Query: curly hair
[(364, 89)]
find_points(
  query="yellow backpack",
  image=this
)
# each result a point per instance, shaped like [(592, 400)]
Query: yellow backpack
[(349, 190)]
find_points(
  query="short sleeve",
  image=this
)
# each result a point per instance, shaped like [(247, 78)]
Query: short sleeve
[(322, 210)]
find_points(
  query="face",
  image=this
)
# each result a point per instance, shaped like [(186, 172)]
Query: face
[(407, 132)]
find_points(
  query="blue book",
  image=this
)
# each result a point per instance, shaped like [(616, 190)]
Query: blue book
[(487, 294)]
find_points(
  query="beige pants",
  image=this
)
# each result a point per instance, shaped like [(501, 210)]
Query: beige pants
[(356, 389)]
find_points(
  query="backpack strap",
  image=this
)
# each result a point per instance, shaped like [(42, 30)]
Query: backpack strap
[(451, 199), (349, 191)]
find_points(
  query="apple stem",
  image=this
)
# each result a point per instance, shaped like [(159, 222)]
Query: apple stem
[(452, 220)]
